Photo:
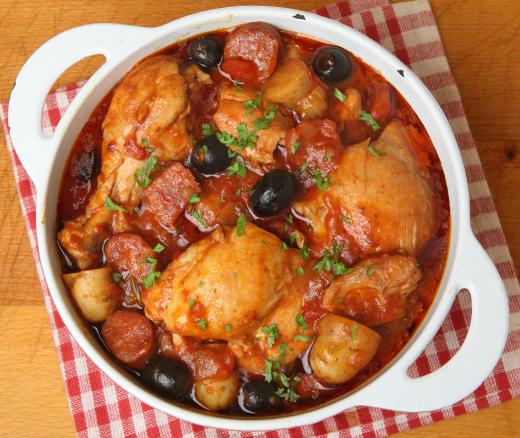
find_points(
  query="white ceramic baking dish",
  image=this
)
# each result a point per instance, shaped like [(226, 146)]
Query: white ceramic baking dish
[(468, 265)]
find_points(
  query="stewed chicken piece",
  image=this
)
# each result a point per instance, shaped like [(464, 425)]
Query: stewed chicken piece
[(378, 200), (256, 130), (375, 291), (146, 121), (221, 285)]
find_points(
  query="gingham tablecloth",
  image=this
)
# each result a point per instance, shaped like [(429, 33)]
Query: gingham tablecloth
[(101, 408)]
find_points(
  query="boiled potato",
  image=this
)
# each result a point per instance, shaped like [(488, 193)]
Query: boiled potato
[(289, 83), (351, 108), (95, 293), (341, 349), (314, 105), (216, 395)]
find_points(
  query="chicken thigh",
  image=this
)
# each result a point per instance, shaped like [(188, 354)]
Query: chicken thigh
[(147, 117), (222, 285), (379, 200)]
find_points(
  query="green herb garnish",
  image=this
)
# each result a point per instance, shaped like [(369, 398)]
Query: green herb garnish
[(237, 168), (142, 175), (116, 276), (202, 323), (353, 332), (299, 271), (252, 104), (272, 334), (150, 278), (159, 247), (111, 205), (198, 217), (367, 117), (339, 95), (322, 182), (207, 130), (301, 322), (194, 199), (241, 224), (303, 338), (228, 328), (295, 147)]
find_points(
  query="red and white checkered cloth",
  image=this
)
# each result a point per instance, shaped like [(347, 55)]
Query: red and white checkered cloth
[(101, 408)]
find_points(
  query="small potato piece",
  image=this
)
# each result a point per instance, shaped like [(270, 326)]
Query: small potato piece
[(95, 293), (291, 82), (342, 348), (216, 395), (314, 105)]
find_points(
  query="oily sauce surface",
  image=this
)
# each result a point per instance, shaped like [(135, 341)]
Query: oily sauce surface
[(83, 166)]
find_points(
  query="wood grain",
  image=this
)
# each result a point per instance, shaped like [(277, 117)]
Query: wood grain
[(481, 40)]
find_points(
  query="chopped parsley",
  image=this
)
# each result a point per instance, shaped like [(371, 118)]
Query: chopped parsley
[(373, 152), (367, 117), (207, 130), (191, 302), (346, 219), (241, 224), (283, 352), (198, 217), (246, 138), (116, 276), (338, 94), (159, 247), (238, 191), (111, 205), (330, 262), (252, 104), (329, 157), (292, 238), (272, 334), (322, 182), (287, 392), (295, 147), (353, 332), (225, 137), (299, 271), (202, 323), (301, 322), (268, 370), (284, 245), (146, 146), (142, 175), (303, 169), (194, 199), (305, 252), (265, 121), (237, 168), (303, 338), (150, 278), (228, 328)]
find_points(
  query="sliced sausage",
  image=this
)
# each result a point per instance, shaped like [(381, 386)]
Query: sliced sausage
[(315, 145), (127, 253), (169, 193), (130, 337), (256, 42)]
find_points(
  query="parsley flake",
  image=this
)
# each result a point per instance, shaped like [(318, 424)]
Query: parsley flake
[(338, 94), (237, 168), (268, 370), (194, 199), (367, 117), (241, 224), (153, 275), (191, 302), (116, 276), (303, 338), (373, 152), (202, 323), (207, 130), (111, 205), (228, 328), (295, 147), (252, 104), (322, 182), (198, 217), (346, 219), (305, 252), (159, 247), (301, 322), (283, 245), (272, 334), (142, 175), (299, 271), (353, 332)]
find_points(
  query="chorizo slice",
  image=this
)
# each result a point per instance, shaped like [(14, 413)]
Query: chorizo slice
[(130, 337), (127, 253), (169, 194), (259, 43)]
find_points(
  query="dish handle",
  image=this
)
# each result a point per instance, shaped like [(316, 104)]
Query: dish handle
[(477, 356), (33, 147)]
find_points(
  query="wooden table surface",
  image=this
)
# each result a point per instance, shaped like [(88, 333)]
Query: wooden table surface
[(482, 40)]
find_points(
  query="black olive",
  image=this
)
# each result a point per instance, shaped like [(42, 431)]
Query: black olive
[(273, 193), (210, 156), (332, 64), (168, 377), (205, 52), (259, 396)]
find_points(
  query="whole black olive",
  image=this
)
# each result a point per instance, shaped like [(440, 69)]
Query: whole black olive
[(168, 377), (259, 396), (205, 52), (210, 156), (273, 193), (332, 64)]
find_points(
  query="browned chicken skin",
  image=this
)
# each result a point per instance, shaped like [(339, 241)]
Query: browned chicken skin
[(379, 200), (148, 109)]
